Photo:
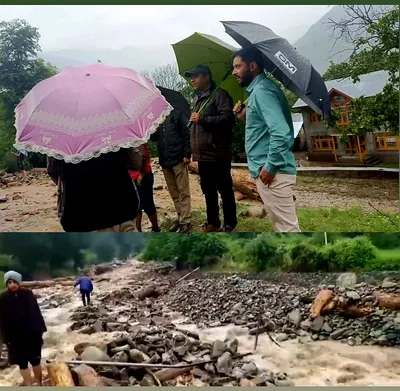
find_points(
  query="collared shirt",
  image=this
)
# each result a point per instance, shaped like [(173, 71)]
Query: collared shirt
[(269, 136)]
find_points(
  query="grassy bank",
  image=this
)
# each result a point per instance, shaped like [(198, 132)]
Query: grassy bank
[(311, 220)]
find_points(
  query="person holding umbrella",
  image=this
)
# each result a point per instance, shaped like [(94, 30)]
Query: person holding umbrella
[(269, 138), (211, 141), (22, 327)]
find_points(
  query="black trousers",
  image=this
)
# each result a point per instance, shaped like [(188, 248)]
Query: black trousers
[(215, 177), (85, 297), (26, 350)]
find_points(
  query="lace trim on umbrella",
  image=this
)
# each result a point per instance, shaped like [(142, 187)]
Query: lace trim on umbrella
[(75, 159), (80, 127)]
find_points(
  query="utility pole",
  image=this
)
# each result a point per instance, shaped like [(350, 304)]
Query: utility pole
[(326, 238)]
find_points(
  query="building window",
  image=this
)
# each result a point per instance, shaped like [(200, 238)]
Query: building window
[(344, 114), (386, 143), (314, 118), (324, 143)]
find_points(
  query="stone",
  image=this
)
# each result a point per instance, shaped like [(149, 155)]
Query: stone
[(353, 295), (147, 381), (237, 373), (237, 307), (93, 353), (137, 356), (80, 347), (118, 349), (209, 368), (346, 280), (284, 383), (98, 326), (120, 357), (351, 341), (232, 345), (124, 374), (327, 328), (388, 283), (256, 212), (250, 369), (317, 324), (224, 364), (282, 337), (218, 349), (339, 333), (295, 317), (245, 382)]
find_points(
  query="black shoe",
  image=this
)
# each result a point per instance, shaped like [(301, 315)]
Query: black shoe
[(155, 229), (184, 228), (175, 227), (228, 228)]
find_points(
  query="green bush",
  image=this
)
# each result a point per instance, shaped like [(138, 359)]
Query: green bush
[(350, 254), (305, 257), (261, 253)]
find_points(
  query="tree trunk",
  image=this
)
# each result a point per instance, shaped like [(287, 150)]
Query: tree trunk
[(45, 284), (390, 301), (60, 375), (323, 298), (88, 377), (242, 182)]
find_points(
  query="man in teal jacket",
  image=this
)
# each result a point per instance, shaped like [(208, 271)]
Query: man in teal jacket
[(269, 139)]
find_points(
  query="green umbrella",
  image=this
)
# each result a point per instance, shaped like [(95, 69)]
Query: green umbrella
[(216, 54)]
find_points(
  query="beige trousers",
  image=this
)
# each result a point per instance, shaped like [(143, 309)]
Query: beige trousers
[(177, 179), (128, 226), (279, 202)]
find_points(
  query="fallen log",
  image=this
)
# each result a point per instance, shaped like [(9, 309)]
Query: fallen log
[(60, 375), (323, 298), (88, 377), (242, 182), (45, 284), (354, 312), (389, 301)]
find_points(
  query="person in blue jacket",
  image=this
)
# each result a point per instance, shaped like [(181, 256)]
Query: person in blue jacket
[(86, 288)]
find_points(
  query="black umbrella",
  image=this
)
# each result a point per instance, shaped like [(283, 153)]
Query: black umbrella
[(285, 63), (176, 100)]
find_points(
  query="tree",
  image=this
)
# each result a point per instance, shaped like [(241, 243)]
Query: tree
[(20, 71), (167, 76), (376, 47)]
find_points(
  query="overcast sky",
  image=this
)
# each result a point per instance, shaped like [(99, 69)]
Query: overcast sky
[(114, 27)]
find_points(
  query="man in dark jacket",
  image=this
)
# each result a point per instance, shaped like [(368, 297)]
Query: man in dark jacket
[(22, 327), (211, 140), (173, 138), (86, 288), (98, 194)]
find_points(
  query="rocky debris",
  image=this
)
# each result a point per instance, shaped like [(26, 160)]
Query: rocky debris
[(255, 212), (8, 180), (285, 309), (221, 365)]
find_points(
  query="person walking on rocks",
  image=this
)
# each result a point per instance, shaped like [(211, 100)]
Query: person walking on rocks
[(211, 141), (174, 151), (22, 327), (269, 139), (85, 288)]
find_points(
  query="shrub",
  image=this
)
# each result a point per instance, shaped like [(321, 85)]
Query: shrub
[(307, 258), (350, 254)]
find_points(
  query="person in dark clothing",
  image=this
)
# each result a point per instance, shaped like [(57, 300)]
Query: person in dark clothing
[(86, 289), (22, 327), (211, 141), (144, 182), (174, 151), (98, 194)]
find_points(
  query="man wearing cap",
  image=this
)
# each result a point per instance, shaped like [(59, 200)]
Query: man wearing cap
[(22, 327), (211, 140)]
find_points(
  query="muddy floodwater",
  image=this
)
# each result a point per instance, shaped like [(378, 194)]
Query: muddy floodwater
[(308, 363)]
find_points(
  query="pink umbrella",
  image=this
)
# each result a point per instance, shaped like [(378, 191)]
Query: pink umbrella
[(83, 112)]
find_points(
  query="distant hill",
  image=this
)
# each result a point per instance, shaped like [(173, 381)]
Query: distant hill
[(139, 59), (319, 47)]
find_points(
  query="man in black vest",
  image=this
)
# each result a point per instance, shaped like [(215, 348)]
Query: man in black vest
[(211, 141)]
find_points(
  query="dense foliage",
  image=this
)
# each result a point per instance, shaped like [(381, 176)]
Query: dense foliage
[(376, 48)]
